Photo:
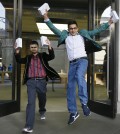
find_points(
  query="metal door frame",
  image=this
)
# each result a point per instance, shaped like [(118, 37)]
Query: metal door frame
[(12, 106), (95, 106)]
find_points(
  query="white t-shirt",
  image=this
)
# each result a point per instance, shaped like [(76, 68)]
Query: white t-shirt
[(75, 47)]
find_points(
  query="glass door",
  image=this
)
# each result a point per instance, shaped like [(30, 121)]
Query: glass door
[(101, 64), (9, 78)]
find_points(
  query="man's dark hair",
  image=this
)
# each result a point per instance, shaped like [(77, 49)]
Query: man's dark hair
[(72, 22), (34, 42)]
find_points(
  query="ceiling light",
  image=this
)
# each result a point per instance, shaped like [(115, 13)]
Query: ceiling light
[(44, 29)]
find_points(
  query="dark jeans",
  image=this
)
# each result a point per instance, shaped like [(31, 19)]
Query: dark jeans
[(34, 86), (42, 102)]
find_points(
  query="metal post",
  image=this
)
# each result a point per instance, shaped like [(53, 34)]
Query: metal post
[(89, 56), (20, 18), (14, 36), (117, 40), (18, 65)]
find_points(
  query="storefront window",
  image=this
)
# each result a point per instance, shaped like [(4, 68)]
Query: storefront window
[(6, 51)]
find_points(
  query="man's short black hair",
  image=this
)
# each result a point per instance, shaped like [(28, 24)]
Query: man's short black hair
[(34, 42), (72, 22)]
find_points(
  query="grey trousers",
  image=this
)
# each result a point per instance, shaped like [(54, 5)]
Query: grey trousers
[(33, 87)]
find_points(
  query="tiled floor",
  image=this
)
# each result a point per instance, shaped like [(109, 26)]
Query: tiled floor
[(56, 122), (57, 117)]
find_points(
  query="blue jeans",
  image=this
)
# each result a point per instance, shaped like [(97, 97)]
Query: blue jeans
[(77, 71), (34, 86)]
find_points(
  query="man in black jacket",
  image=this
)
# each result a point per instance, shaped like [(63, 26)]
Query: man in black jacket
[(37, 71)]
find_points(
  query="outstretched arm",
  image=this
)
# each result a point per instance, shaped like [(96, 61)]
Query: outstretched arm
[(50, 24), (101, 28)]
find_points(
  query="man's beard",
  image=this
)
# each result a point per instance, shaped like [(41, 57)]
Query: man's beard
[(34, 52)]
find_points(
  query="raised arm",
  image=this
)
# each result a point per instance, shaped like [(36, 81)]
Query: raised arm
[(101, 28), (51, 54), (45, 16), (18, 56), (50, 25)]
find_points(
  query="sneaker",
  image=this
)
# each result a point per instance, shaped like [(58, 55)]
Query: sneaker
[(86, 110), (42, 116), (73, 117), (27, 130)]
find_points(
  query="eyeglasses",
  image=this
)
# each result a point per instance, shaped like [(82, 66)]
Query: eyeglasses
[(73, 28)]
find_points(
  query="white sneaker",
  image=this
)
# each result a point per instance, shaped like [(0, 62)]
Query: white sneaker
[(42, 116), (27, 129)]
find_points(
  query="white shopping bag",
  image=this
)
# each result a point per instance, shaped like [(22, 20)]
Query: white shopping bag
[(43, 8), (44, 40), (114, 16), (18, 42)]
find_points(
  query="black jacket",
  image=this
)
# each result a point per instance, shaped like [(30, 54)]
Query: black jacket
[(44, 58)]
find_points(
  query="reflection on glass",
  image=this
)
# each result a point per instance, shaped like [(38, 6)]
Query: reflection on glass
[(101, 71), (100, 65), (6, 53), (2, 17)]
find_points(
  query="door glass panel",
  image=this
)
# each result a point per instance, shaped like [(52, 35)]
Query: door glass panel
[(100, 61), (6, 51)]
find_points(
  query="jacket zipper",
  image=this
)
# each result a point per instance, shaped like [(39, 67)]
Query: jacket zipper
[(46, 67)]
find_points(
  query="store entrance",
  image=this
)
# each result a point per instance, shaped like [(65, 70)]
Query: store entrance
[(101, 80), (100, 74)]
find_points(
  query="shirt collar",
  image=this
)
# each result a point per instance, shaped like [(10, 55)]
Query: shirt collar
[(72, 35), (35, 56)]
